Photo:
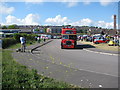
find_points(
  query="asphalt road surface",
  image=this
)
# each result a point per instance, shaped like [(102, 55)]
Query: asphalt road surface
[(100, 69)]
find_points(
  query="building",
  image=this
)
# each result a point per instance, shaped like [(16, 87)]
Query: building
[(8, 32)]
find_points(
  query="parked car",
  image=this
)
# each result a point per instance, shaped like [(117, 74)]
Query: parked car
[(103, 40), (89, 38), (84, 37), (112, 43), (79, 37)]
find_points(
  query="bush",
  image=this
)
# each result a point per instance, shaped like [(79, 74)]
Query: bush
[(6, 42), (28, 37), (17, 37)]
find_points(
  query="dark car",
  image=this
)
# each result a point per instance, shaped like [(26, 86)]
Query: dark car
[(89, 38)]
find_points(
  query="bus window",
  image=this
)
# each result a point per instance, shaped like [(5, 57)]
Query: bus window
[(65, 37), (74, 37)]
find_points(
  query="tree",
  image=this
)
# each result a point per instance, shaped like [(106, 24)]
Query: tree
[(45, 30), (4, 27), (81, 31), (37, 30), (13, 27)]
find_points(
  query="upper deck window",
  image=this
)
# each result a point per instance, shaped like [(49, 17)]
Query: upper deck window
[(69, 32)]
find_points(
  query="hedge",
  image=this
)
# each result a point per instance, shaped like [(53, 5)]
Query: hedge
[(6, 42), (28, 37)]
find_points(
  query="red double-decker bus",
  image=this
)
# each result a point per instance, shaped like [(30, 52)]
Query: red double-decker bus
[(69, 37)]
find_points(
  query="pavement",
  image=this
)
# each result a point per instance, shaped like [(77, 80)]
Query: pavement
[(61, 72)]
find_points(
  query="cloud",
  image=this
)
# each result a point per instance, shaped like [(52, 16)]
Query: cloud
[(106, 2), (68, 3), (104, 24), (30, 19), (5, 9), (33, 19), (83, 22), (34, 1), (72, 4), (86, 2), (58, 20)]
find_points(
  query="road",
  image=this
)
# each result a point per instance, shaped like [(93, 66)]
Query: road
[(82, 60), (74, 66), (99, 69)]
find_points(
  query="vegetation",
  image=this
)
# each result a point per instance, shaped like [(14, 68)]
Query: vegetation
[(4, 27), (82, 31), (13, 27), (28, 37), (45, 30), (7, 42), (38, 30), (16, 75), (18, 45)]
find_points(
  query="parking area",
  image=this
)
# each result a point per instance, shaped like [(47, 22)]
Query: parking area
[(108, 42)]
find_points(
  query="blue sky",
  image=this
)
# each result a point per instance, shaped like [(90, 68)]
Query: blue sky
[(59, 13)]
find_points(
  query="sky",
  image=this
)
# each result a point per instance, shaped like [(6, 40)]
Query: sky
[(98, 14)]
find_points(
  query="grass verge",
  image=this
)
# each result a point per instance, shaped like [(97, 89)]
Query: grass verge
[(18, 45), (0, 69), (16, 75), (103, 46)]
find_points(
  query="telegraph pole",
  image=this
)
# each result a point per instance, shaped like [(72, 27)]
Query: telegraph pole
[(115, 23)]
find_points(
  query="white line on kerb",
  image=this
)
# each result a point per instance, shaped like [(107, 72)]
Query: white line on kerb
[(101, 52), (98, 72)]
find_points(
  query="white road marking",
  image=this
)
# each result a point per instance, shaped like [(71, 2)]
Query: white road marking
[(101, 52), (98, 72)]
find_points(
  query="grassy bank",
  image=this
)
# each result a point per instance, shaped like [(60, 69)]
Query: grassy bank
[(18, 45), (16, 75), (0, 69), (103, 46)]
